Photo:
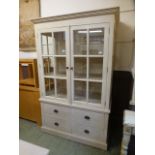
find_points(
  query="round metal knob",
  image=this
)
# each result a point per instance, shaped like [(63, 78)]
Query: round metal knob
[(56, 124), (86, 131), (55, 111), (87, 117)]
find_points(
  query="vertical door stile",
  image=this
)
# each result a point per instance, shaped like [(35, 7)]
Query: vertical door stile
[(87, 67), (68, 78), (54, 64), (41, 65), (105, 62), (47, 45), (110, 58), (71, 65)]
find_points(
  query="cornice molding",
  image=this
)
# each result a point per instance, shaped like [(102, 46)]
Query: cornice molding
[(85, 14)]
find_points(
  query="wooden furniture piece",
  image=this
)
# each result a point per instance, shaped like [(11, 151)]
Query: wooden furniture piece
[(75, 66), (26, 148), (128, 130), (29, 94), (28, 72)]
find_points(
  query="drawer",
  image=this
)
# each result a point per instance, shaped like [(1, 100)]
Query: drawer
[(56, 111), (57, 123), (88, 132), (89, 118)]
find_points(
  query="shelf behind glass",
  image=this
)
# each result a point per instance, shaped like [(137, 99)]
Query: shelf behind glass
[(59, 43), (80, 42), (79, 90), (45, 50), (48, 66), (95, 89), (46, 38), (95, 68), (96, 41), (60, 66), (61, 88), (80, 67), (49, 87)]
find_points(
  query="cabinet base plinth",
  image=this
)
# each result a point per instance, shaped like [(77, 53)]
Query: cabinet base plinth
[(75, 138)]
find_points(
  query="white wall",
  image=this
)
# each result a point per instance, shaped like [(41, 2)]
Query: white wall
[(123, 55), (124, 45), (58, 7)]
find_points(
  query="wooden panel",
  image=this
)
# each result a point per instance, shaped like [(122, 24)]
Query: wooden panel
[(32, 78), (29, 106)]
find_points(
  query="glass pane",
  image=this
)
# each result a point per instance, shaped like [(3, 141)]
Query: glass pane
[(80, 90), (95, 92), (46, 43), (50, 49), (59, 41), (26, 74), (48, 66), (60, 66), (45, 49), (80, 67), (49, 87), (26, 71), (96, 41), (61, 89), (80, 42), (95, 68)]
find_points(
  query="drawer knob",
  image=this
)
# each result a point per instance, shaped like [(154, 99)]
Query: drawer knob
[(86, 131), (55, 111), (71, 68), (87, 117), (56, 124)]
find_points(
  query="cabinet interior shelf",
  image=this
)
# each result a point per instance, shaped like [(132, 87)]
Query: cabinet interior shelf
[(51, 94), (85, 56), (47, 44), (28, 81), (55, 77), (90, 79), (53, 55), (83, 100)]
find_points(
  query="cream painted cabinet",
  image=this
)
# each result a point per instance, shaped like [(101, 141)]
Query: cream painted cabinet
[(75, 64)]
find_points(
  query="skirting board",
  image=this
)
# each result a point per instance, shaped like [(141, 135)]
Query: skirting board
[(75, 138)]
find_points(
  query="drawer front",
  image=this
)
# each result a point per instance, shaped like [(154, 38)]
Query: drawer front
[(88, 132), (57, 123), (92, 119), (56, 111)]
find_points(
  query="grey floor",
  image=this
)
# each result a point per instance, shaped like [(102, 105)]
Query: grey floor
[(30, 132)]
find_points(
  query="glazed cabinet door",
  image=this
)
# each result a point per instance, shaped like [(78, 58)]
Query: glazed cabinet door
[(54, 61), (89, 55)]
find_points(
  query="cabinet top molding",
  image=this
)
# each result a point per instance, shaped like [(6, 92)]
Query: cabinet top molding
[(108, 11)]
